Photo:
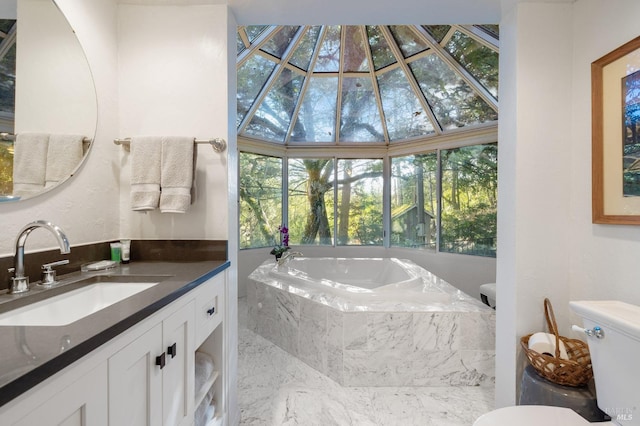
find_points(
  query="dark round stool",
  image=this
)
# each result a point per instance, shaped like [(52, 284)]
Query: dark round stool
[(536, 390)]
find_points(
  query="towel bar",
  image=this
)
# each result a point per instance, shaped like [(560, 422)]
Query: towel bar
[(218, 144), (11, 137)]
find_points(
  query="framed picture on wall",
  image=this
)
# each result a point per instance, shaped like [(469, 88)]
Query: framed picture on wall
[(615, 97)]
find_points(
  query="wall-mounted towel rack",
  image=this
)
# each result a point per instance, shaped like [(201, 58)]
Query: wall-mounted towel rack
[(11, 137), (218, 144)]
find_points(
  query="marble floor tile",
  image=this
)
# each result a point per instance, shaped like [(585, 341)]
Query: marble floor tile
[(455, 405), (276, 388), (399, 406)]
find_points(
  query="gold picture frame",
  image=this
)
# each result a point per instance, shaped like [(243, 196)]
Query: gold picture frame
[(615, 126)]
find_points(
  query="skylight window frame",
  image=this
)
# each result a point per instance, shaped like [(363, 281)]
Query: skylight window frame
[(343, 35), (415, 86), (305, 86), (8, 40), (244, 37), (255, 47), (273, 78), (478, 34), (376, 89), (457, 67)]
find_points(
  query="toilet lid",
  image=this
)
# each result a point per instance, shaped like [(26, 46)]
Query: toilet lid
[(531, 415)]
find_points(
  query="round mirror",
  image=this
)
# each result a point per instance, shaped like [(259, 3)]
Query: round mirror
[(48, 107)]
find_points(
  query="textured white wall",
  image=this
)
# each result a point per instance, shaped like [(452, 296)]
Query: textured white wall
[(548, 246), (177, 77), (534, 193), (506, 272), (86, 206), (172, 81), (604, 257), (156, 82), (232, 226)]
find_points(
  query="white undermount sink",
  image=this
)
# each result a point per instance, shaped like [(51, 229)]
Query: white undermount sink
[(73, 305)]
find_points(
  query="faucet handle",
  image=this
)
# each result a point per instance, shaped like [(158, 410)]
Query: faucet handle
[(48, 266), (48, 274), (12, 274)]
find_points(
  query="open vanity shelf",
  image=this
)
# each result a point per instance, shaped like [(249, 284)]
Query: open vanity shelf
[(209, 341)]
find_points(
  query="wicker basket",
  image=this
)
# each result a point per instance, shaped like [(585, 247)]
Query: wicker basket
[(576, 371)]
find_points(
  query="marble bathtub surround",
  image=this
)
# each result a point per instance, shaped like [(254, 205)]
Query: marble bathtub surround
[(141, 250), (377, 348), (276, 388)]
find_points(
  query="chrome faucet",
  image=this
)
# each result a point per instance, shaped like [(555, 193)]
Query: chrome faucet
[(20, 282), (288, 255)]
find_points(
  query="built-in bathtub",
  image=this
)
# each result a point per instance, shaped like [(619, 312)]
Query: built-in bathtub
[(373, 322)]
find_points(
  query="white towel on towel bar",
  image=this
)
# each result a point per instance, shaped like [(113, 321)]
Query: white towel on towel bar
[(176, 176), (63, 156), (146, 154), (29, 163)]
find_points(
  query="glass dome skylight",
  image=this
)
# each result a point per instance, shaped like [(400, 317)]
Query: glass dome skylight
[(365, 84)]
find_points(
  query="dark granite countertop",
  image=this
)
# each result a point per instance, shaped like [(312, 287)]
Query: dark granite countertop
[(31, 354)]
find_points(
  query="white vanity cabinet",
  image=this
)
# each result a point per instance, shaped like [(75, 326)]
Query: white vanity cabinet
[(209, 307), (82, 403), (210, 311), (135, 382), (144, 376), (151, 379)]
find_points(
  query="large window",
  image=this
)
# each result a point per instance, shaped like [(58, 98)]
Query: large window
[(414, 200), (469, 199), (339, 198), (311, 200), (445, 199), (260, 200), (376, 126), (359, 202), (465, 195)]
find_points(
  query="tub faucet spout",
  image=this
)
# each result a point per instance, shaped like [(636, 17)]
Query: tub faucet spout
[(20, 282), (288, 255)]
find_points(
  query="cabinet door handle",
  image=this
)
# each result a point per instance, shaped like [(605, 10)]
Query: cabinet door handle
[(211, 310), (161, 360), (172, 350)]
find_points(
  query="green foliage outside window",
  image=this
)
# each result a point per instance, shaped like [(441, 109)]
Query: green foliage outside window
[(311, 198), (478, 59), (469, 200), (350, 190), (260, 200), (359, 202), (413, 185), (6, 169)]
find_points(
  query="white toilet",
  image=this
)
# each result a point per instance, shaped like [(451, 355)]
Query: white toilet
[(615, 358)]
